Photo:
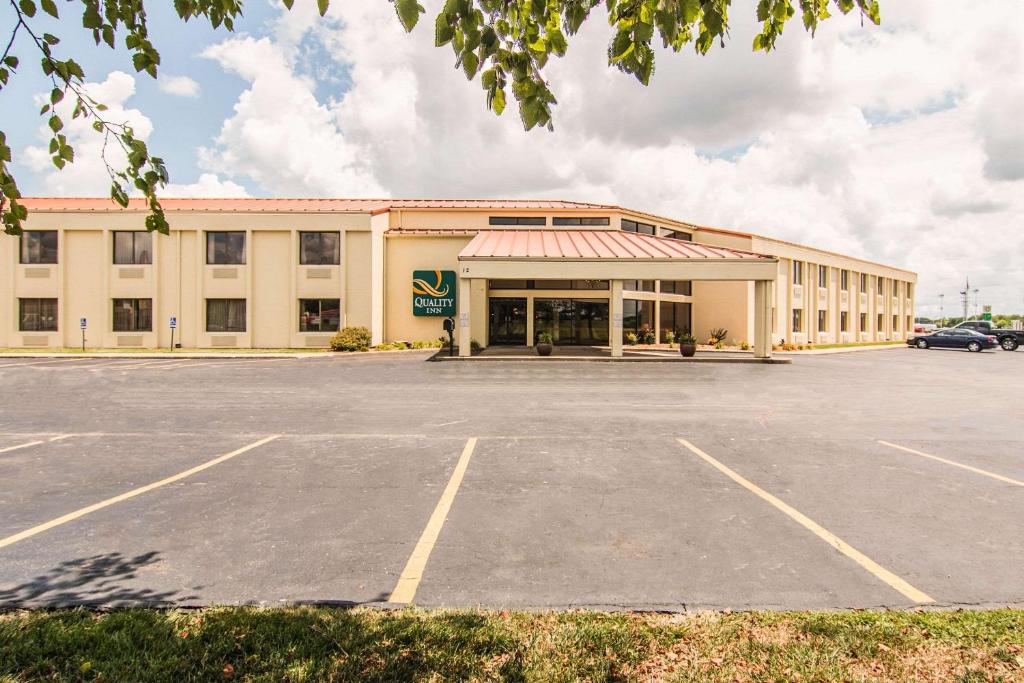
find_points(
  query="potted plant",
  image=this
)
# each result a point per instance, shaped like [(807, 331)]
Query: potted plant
[(669, 336), (687, 344), (545, 344)]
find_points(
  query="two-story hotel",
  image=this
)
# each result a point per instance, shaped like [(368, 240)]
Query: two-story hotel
[(288, 273)]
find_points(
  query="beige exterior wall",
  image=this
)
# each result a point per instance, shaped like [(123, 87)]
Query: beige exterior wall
[(374, 279)]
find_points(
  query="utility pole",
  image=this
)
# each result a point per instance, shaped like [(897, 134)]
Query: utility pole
[(964, 294), (942, 313), (975, 302)]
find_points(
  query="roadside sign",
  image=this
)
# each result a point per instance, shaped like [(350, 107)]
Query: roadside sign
[(174, 321), (84, 323), (986, 312)]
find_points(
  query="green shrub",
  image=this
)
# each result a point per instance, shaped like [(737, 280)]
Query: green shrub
[(351, 339), (650, 337), (669, 336), (429, 344), (687, 338), (545, 338), (631, 338), (718, 335), (744, 346)]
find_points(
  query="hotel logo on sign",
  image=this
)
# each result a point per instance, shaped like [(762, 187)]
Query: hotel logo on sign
[(433, 293)]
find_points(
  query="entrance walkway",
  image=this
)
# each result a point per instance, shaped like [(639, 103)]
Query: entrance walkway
[(604, 353)]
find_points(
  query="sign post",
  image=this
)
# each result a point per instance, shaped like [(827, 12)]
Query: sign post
[(986, 312), (174, 324), (84, 323)]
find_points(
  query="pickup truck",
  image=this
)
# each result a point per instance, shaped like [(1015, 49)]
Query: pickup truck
[(1008, 340)]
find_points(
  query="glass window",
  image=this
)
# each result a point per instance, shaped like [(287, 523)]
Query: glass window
[(863, 322), (844, 322), (798, 272), (319, 315), (638, 285), (590, 284), (881, 323), (675, 317), (39, 246), (823, 276), (676, 235), (798, 319), (133, 315), (37, 315), (225, 248), (319, 248), (909, 323), (880, 285), (822, 321), (641, 228), (225, 315), (895, 323), (637, 316), (864, 282), (518, 220), (133, 247), (552, 284), (508, 284), (844, 280), (574, 220), (676, 287)]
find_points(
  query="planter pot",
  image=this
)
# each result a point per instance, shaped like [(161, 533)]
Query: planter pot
[(544, 349), (687, 349)]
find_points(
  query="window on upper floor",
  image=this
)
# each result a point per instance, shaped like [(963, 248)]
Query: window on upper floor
[(880, 285), (823, 276), (517, 220), (580, 220), (39, 246), (319, 248), (640, 228), (133, 247), (225, 248), (844, 280), (864, 282), (798, 272)]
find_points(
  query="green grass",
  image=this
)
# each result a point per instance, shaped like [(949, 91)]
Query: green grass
[(314, 644)]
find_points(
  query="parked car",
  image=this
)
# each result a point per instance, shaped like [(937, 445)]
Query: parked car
[(1008, 340), (955, 338), (925, 328)]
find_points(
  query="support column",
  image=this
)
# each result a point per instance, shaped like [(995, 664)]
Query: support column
[(465, 305), (615, 329), (378, 226), (762, 319), (529, 321)]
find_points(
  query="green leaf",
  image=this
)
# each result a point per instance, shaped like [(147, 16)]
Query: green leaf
[(498, 101), (288, 4), (56, 95), (28, 8), (50, 7), (321, 6), (55, 123), (470, 63), (443, 31), (408, 13), (11, 61)]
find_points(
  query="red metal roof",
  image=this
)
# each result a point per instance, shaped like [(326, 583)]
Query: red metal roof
[(249, 204), (590, 244)]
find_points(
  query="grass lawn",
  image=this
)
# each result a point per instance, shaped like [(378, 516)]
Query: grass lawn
[(314, 644)]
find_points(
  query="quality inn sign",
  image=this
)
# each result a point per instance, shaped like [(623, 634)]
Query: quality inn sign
[(433, 293)]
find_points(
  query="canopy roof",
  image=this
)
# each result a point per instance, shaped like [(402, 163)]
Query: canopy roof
[(591, 244)]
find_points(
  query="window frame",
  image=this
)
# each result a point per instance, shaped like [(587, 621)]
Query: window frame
[(134, 250), (227, 330), (136, 314), (335, 257), (517, 220), (24, 246), (22, 301), (797, 320), (581, 221), (210, 235), (304, 327)]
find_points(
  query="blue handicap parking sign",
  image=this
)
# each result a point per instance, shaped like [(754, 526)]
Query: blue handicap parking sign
[(174, 321), (83, 323)]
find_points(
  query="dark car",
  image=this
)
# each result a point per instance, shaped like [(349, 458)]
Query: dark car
[(1008, 340), (956, 338)]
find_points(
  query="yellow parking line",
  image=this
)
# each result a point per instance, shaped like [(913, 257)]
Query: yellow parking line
[(19, 446), (839, 544), (409, 581), (71, 516), (976, 470)]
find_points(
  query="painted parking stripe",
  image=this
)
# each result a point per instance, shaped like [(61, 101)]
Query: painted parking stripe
[(824, 534), (976, 470), (39, 362), (20, 446), (81, 512), (409, 581)]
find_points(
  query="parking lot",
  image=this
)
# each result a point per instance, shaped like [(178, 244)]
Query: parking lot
[(882, 478)]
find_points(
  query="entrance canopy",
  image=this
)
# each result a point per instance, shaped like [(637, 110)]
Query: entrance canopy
[(611, 255), (605, 255)]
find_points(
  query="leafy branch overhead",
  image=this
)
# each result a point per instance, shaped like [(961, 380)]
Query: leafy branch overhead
[(507, 43)]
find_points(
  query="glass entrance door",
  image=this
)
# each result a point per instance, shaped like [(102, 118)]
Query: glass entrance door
[(572, 321), (507, 321)]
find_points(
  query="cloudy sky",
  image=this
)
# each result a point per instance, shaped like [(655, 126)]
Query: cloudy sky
[(901, 143)]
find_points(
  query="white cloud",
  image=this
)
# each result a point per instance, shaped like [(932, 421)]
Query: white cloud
[(182, 86), (208, 185)]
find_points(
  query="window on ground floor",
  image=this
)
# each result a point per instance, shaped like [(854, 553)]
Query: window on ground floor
[(910, 323), (37, 315), (39, 246), (225, 315), (895, 323), (637, 316), (675, 317), (822, 321), (844, 321), (133, 315), (881, 324), (863, 322), (319, 315), (798, 320)]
